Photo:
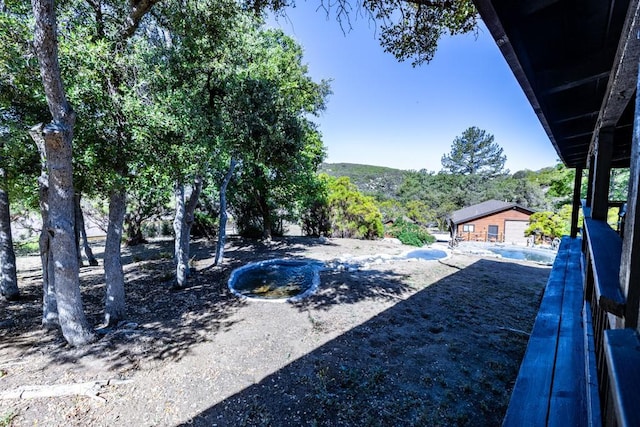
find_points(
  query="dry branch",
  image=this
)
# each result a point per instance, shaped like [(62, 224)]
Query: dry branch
[(517, 331)]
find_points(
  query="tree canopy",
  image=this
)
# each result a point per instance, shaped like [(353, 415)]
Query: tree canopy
[(475, 153), (408, 29)]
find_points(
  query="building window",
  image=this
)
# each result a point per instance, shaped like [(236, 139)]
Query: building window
[(468, 228), (493, 232)]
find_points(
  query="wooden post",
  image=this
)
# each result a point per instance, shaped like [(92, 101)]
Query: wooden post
[(630, 259), (602, 174), (590, 165), (577, 184)]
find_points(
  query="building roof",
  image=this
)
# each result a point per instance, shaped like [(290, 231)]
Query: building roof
[(484, 209), (576, 63)]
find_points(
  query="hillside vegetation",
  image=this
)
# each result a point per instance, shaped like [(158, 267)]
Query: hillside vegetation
[(428, 197), (385, 182), (372, 180)]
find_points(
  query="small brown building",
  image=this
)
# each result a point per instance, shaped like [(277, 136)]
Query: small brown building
[(491, 221)]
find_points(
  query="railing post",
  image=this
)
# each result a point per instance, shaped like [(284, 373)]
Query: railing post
[(602, 174), (591, 166), (630, 262), (577, 184)]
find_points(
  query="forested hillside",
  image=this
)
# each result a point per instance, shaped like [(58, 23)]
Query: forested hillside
[(429, 197), (373, 180), (384, 182)]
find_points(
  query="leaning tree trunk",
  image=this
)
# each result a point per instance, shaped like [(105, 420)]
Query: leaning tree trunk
[(58, 136), (186, 201), (49, 304), (81, 234), (222, 233), (8, 278), (115, 306)]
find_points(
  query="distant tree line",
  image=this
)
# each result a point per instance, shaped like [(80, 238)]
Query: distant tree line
[(472, 172)]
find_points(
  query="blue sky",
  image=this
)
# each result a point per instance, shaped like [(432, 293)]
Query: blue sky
[(387, 113)]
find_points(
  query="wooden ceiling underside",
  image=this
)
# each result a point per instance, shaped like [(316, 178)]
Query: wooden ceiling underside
[(576, 61)]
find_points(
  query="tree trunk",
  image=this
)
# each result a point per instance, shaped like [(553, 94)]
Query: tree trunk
[(8, 278), (49, 302), (58, 136), (186, 202), (115, 306), (81, 233), (266, 218), (133, 230), (76, 228), (49, 305), (222, 233)]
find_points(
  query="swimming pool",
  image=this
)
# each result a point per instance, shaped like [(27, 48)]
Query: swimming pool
[(427, 254), (544, 256)]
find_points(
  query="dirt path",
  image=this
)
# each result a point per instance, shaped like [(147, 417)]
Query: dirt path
[(399, 343)]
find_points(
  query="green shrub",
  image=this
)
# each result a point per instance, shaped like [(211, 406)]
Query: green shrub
[(149, 230), (351, 213), (410, 234), (27, 247), (166, 228), (314, 216), (204, 225)]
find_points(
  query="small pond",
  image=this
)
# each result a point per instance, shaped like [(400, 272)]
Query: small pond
[(277, 280), (427, 254), (527, 254)]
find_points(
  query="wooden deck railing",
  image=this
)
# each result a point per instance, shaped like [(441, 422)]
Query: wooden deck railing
[(581, 367), (617, 351), (480, 236), (551, 387)]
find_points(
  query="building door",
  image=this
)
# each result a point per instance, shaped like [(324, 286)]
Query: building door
[(492, 233), (514, 232)]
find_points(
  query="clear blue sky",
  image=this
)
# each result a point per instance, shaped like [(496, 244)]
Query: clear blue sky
[(387, 113)]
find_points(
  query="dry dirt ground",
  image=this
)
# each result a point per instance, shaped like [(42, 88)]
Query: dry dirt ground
[(399, 343)]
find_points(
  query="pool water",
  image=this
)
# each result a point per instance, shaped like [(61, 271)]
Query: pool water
[(275, 280), (427, 254), (526, 254)]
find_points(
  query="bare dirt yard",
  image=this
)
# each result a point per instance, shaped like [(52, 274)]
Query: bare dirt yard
[(398, 343)]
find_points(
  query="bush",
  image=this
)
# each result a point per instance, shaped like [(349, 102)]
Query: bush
[(410, 234), (27, 247), (314, 216), (315, 220), (352, 214), (149, 230), (166, 228), (204, 225)]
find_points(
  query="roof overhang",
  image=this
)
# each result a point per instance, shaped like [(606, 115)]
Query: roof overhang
[(577, 63), (475, 212)]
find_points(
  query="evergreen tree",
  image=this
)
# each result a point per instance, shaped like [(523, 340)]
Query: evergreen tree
[(475, 153)]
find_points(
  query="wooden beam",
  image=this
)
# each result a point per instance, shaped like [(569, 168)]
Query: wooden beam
[(630, 259), (579, 82), (590, 163), (602, 174), (622, 82), (577, 184), (517, 64)]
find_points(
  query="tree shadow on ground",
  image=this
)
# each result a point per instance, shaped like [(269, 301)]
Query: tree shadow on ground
[(161, 323), (349, 287), (446, 355)]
